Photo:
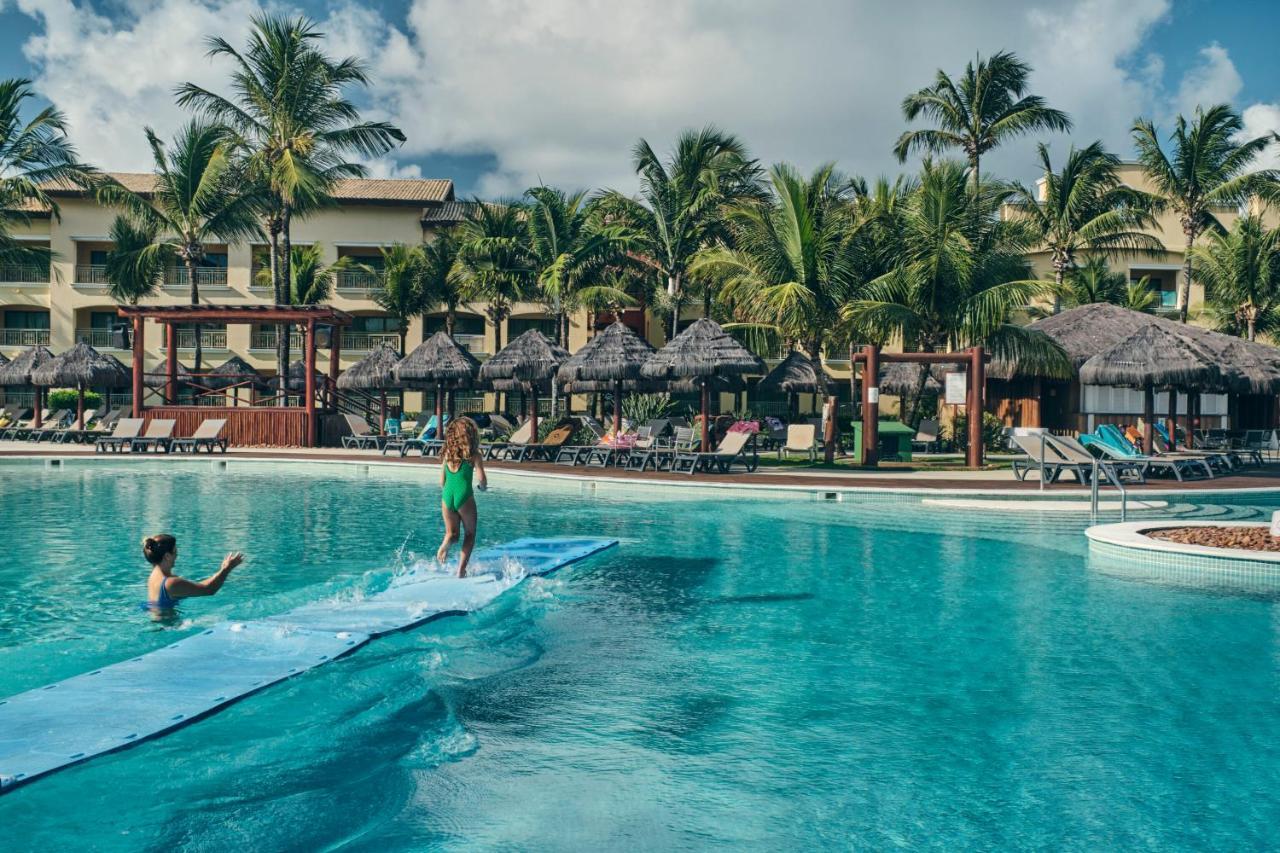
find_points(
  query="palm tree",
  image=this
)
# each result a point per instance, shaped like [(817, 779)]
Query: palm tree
[(1206, 169), (1140, 297), (679, 209), (988, 106), (311, 280), (572, 249), (135, 270), (791, 267), (1085, 207), (34, 154), (1241, 272), (401, 296), (295, 126), (950, 286), (443, 280), (495, 259), (1093, 281), (197, 198)]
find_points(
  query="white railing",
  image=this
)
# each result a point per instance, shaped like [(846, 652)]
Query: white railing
[(266, 340), (361, 280), (91, 274), (96, 338), (23, 273), (205, 277), (473, 344), (366, 341), (24, 337), (209, 339)]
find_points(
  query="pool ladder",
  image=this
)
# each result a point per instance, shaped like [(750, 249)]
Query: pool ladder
[(1094, 483)]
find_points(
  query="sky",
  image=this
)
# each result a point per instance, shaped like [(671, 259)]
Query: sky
[(500, 95)]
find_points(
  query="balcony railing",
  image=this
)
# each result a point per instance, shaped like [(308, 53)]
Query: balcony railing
[(91, 274), (266, 340), (209, 339), (361, 280), (366, 341), (474, 344), (205, 277), (96, 338), (20, 273), (24, 337)]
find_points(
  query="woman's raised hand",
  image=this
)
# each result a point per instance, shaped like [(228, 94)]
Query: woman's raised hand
[(232, 560)]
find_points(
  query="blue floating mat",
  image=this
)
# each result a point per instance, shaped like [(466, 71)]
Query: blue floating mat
[(117, 706)]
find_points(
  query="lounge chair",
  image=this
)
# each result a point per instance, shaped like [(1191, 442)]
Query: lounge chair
[(127, 429), (1223, 460), (159, 436), (518, 437), (429, 441), (1177, 466), (1051, 463), (735, 447), (361, 435), (1073, 451), (101, 425), (1111, 434), (544, 450), (18, 430), (801, 438), (661, 456), (208, 435), (57, 422), (927, 436)]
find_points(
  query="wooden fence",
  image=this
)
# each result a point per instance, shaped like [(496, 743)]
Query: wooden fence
[(246, 426)]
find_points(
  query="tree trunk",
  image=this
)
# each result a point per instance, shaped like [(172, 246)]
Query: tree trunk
[(853, 379), (1059, 276), (673, 290), (286, 291), (1189, 231), (706, 302), (404, 334), (195, 300), (1252, 324), (450, 319), (497, 347)]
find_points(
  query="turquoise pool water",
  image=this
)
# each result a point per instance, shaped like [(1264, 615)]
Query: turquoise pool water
[(739, 674)]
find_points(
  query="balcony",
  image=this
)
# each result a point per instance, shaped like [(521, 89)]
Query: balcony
[(24, 274), (265, 341), (96, 338), (473, 344), (366, 341), (210, 339), (91, 274), (359, 281), (24, 337), (205, 277)]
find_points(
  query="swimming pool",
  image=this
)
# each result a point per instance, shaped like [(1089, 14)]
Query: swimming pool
[(767, 672)]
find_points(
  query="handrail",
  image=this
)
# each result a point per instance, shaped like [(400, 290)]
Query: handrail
[(1114, 479)]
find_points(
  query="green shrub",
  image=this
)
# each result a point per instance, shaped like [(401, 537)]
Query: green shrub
[(992, 432), (67, 398), (642, 408)]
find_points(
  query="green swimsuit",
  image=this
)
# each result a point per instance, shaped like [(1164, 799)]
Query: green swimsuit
[(457, 486)]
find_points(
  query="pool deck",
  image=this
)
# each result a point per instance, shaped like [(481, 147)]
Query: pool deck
[(952, 482)]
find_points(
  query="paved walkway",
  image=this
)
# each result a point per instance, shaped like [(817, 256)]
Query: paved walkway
[(1001, 480)]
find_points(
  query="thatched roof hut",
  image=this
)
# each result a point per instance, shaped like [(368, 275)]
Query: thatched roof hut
[(610, 361), (795, 374), (158, 379), (438, 361), (235, 371), (902, 378), (531, 359), (82, 367), (19, 370), (4, 359), (374, 372), (701, 351), (1152, 357)]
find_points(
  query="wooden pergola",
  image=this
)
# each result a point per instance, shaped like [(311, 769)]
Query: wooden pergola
[(263, 424)]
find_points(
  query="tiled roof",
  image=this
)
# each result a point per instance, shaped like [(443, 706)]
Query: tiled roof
[(375, 190), (445, 213)]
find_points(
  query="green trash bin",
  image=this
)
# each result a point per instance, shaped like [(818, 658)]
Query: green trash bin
[(895, 441)]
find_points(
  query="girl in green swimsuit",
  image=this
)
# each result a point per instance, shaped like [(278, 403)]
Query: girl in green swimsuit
[(458, 464)]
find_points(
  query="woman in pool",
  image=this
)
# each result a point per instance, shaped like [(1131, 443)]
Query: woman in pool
[(458, 464), (164, 588)]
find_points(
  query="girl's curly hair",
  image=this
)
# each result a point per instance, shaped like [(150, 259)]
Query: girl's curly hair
[(461, 441)]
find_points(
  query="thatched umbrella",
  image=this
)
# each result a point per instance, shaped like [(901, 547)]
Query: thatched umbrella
[(529, 363), (374, 372), (794, 375), (295, 378), (902, 378), (233, 373), (614, 356), (83, 367), (1153, 357), (161, 379), (18, 372), (701, 351), (439, 362)]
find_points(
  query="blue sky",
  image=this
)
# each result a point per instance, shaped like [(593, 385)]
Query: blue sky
[(502, 94)]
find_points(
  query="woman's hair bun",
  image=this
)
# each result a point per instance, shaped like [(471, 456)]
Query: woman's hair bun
[(154, 548)]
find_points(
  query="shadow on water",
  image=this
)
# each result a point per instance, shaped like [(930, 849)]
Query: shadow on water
[(764, 598), (657, 585)]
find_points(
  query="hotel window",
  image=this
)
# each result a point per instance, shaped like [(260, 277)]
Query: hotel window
[(375, 325), (26, 319)]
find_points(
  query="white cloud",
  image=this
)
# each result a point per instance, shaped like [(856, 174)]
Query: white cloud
[(1214, 80), (559, 90), (1262, 120)]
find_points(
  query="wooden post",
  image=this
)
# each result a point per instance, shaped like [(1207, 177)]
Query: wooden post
[(533, 415), (831, 409), (79, 406), (871, 406), (171, 365), (137, 366), (1172, 423), (382, 410), (439, 408), (617, 409), (335, 353), (39, 395), (706, 405), (1037, 392), (310, 383), (1148, 419), (974, 404)]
